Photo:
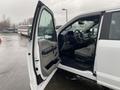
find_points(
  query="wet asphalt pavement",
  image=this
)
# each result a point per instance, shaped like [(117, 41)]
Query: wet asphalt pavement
[(13, 63), (14, 72)]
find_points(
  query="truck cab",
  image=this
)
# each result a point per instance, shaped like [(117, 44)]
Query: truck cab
[(88, 45)]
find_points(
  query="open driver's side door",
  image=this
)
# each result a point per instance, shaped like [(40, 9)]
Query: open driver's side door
[(43, 48)]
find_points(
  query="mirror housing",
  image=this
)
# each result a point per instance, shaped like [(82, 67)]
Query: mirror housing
[(30, 33), (80, 22)]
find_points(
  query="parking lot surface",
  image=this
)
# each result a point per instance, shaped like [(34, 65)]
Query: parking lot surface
[(14, 72)]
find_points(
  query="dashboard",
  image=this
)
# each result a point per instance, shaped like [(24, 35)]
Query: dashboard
[(75, 39)]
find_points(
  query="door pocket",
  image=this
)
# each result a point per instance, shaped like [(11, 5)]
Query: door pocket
[(51, 64)]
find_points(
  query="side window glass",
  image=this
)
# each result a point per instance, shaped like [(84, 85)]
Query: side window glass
[(114, 33), (46, 28)]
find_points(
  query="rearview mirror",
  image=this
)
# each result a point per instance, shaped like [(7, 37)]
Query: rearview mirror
[(80, 22)]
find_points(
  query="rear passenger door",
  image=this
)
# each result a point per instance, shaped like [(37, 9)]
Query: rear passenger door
[(108, 51)]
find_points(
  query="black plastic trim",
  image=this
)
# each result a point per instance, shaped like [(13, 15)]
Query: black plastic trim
[(48, 50)]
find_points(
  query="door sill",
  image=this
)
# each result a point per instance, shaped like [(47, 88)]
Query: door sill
[(86, 74)]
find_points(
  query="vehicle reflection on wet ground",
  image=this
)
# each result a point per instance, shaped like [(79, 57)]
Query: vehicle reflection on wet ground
[(14, 72)]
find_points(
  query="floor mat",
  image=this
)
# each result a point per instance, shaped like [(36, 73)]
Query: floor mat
[(71, 62)]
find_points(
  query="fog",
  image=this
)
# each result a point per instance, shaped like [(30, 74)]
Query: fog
[(18, 10)]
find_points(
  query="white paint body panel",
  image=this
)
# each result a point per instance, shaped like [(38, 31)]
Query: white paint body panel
[(32, 77), (108, 63)]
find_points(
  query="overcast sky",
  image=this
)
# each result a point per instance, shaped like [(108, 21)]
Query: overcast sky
[(18, 10)]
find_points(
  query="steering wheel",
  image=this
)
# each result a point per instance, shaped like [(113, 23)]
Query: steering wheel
[(79, 37)]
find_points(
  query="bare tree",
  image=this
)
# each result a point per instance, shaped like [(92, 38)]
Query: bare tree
[(5, 23), (27, 21)]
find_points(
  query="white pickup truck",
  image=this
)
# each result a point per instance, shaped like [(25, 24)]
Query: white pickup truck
[(88, 45)]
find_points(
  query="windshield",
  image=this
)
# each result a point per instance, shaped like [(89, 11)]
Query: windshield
[(82, 26)]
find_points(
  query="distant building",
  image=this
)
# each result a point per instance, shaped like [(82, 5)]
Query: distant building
[(12, 30), (23, 29), (9, 30)]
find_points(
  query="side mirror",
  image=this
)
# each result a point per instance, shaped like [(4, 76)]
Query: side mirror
[(29, 33)]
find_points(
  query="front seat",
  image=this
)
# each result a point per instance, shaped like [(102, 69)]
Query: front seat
[(86, 53)]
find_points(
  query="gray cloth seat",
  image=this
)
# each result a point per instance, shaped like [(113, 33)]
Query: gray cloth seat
[(86, 52)]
